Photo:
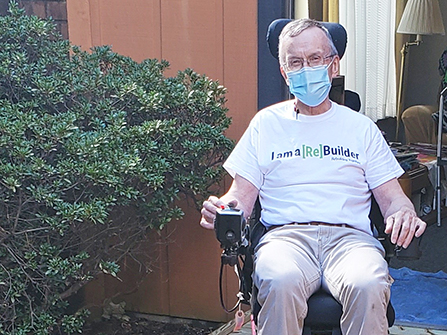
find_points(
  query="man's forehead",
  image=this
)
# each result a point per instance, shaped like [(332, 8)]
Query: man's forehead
[(309, 40)]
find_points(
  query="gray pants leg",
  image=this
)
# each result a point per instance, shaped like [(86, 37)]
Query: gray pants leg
[(292, 262)]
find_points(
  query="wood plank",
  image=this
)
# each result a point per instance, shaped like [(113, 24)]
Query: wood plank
[(241, 65), (132, 29), (79, 27), (192, 36)]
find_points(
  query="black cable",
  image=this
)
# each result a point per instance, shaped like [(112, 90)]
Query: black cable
[(221, 291)]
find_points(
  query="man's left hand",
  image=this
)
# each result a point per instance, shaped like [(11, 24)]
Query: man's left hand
[(403, 226)]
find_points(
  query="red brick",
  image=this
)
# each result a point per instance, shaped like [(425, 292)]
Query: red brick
[(34, 8), (62, 27), (57, 10)]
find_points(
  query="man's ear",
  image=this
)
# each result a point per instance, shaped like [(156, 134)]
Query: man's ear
[(335, 66), (284, 75)]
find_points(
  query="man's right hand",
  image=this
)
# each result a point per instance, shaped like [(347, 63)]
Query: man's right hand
[(242, 195), (209, 209)]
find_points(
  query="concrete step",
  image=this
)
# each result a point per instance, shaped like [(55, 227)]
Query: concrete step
[(228, 328)]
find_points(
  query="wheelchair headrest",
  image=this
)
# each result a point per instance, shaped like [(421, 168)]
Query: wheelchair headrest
[(336, 30)]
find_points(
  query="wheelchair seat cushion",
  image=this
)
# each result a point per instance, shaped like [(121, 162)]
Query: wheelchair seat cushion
[(323, 310)]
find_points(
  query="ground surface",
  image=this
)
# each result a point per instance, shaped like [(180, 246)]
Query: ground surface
[(136, 325)]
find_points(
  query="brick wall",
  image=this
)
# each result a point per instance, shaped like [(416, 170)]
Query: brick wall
[(56, 9)]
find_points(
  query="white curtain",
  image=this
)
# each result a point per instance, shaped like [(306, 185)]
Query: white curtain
[(369, 62)]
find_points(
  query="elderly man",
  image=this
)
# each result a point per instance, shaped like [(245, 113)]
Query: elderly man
[(314, 165)]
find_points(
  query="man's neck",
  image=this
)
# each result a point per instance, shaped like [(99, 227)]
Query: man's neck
[(317, 110)]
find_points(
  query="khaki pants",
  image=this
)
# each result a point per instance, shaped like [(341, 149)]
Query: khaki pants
[(294, 261)]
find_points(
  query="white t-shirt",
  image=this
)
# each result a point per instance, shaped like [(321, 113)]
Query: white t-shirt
[(313, 168)]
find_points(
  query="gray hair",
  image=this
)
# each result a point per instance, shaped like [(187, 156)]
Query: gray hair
[(296, 27)]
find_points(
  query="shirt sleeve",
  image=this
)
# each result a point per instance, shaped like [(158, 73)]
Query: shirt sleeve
[(382, 165), (243, 160)]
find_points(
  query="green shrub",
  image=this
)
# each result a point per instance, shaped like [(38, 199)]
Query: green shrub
[(95, 150)]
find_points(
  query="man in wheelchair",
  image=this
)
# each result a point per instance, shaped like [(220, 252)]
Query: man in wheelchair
[(314, 165)]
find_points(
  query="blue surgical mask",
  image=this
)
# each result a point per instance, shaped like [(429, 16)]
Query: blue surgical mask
[(310, 85)]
